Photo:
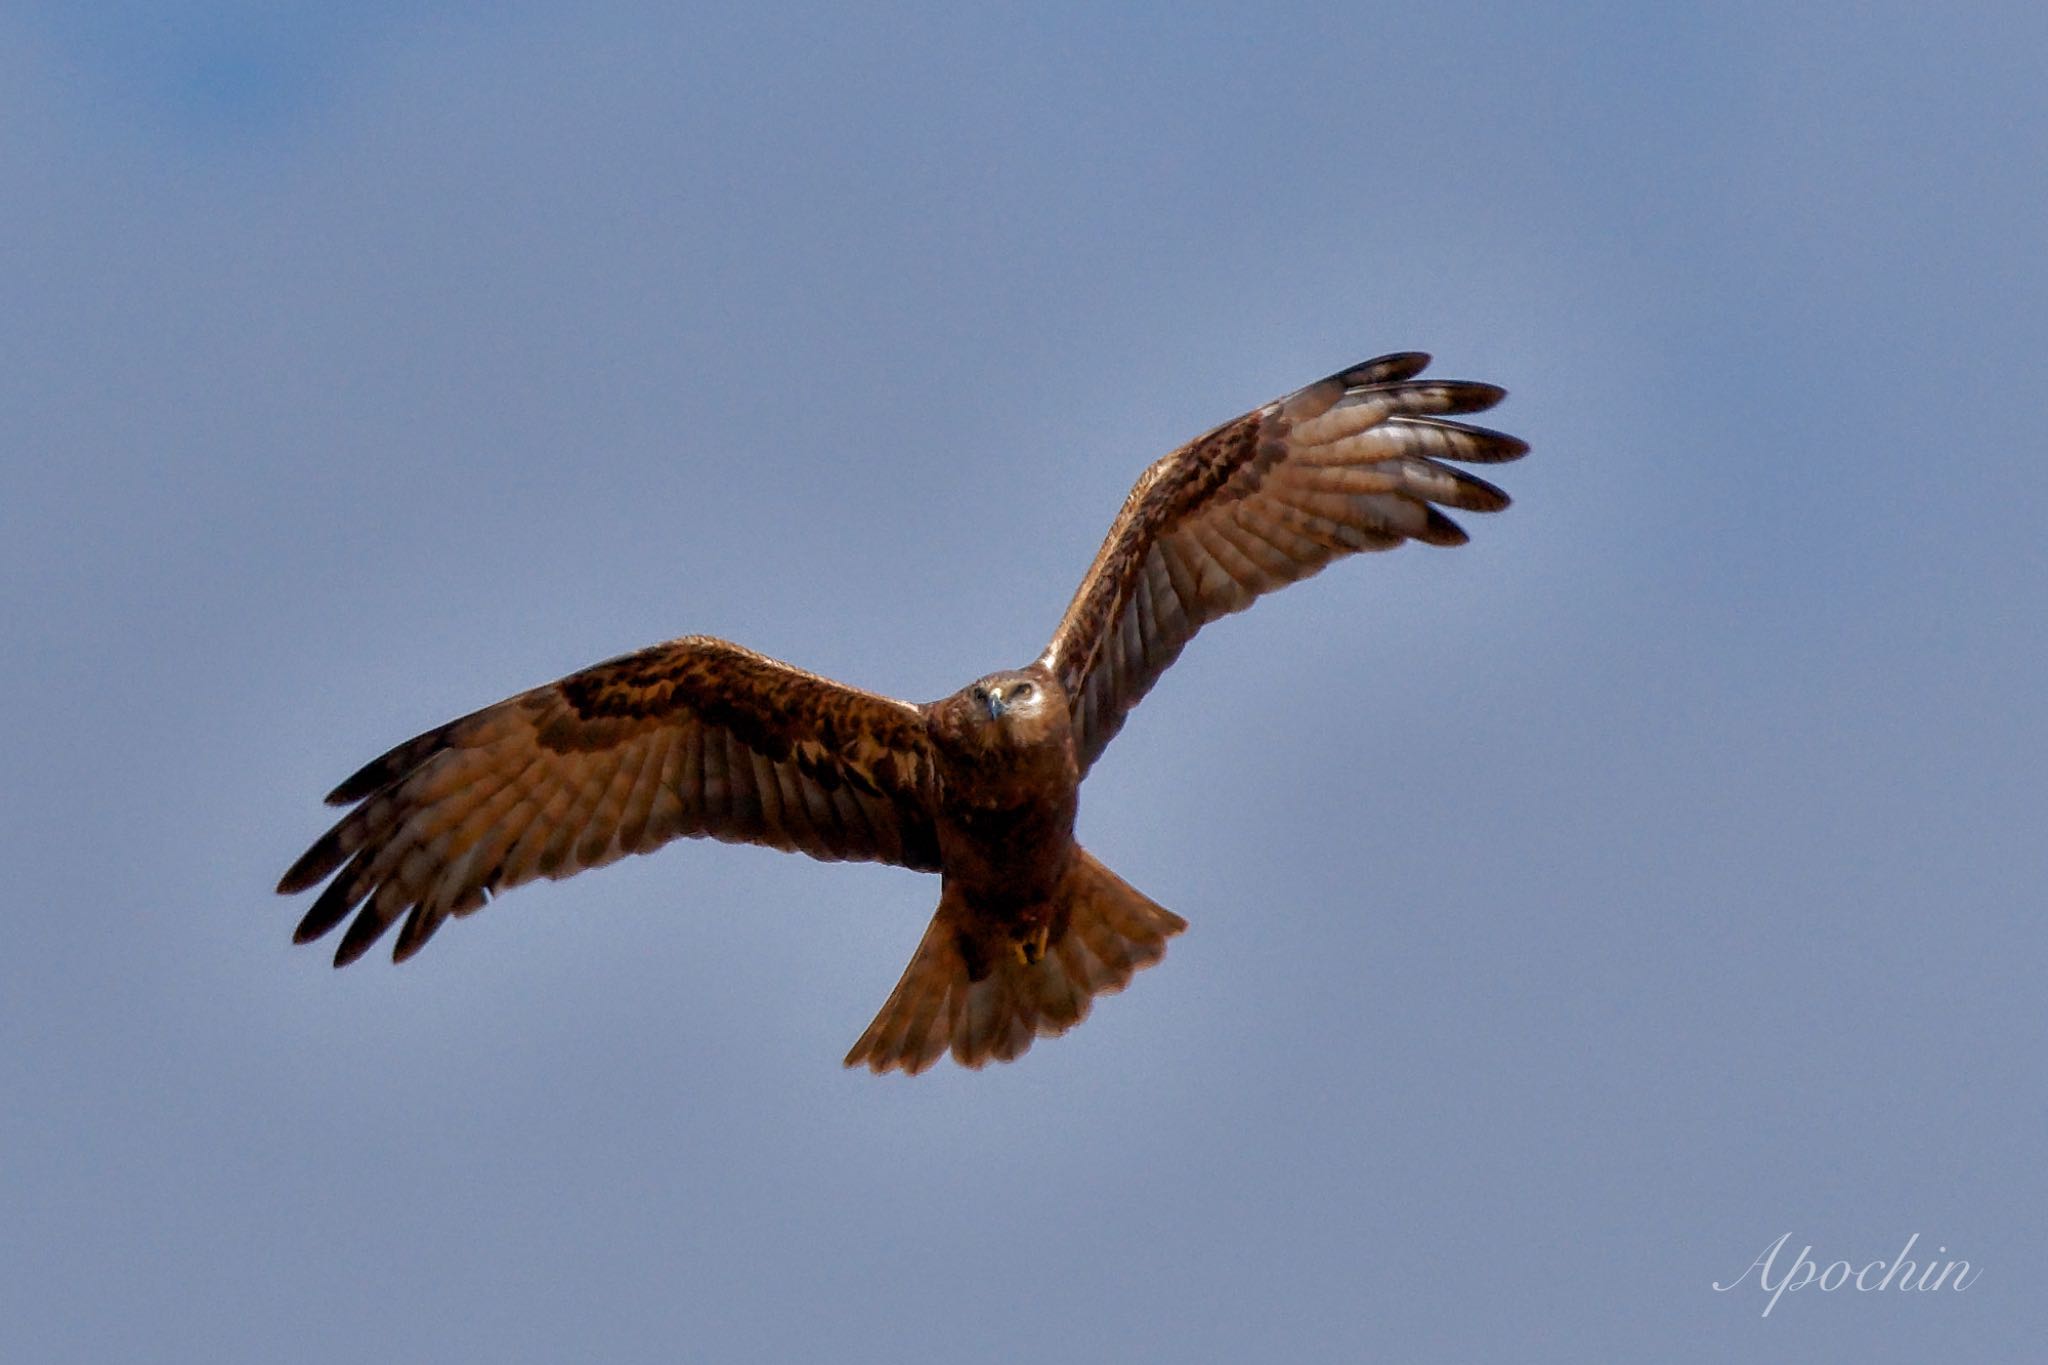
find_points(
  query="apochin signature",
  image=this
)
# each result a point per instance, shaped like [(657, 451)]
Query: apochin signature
[(1898, 1273)]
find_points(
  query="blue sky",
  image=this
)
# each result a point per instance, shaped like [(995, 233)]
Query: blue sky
[(1572, 914)]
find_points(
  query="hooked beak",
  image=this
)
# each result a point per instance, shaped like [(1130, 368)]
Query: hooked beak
[(996, 706)]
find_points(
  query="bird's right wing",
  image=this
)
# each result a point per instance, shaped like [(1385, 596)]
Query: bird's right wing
[(693, 737), (1351, 463)]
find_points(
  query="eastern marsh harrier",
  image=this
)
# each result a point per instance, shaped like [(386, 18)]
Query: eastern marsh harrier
[(701, 737)]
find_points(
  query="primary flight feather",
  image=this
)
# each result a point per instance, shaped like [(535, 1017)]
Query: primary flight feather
[(702, 737)]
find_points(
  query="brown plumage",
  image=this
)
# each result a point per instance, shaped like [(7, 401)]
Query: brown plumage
[(701, 737)]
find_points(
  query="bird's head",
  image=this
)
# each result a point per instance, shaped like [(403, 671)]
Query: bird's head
[(1012, 708)]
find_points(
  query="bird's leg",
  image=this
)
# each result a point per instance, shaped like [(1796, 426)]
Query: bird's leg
[(1031, 947)]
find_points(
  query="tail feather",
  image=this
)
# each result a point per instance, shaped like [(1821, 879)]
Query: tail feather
[(1104, 931)]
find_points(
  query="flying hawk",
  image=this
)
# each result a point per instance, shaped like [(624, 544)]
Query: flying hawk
[(701, 737)]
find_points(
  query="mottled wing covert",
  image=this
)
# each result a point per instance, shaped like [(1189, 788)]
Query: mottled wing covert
[(1352, 463), (693, 737)]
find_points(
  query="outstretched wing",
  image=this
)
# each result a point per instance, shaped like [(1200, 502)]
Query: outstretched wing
[(1351, 463), (694, 737)]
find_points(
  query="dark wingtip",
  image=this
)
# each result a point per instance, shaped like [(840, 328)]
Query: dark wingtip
[(389, 766), (1442, 530), (1479, 495), (366, 779), (413, 935), (310, 928), (1384, 369), (1477, 395), (313, 865), (1481, 445), (331, 907), (363, 932)]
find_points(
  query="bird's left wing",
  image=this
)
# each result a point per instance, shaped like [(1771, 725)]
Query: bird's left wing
[(1350, 463), (694, 737)]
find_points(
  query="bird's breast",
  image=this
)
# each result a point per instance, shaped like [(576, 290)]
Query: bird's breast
[(1006, 832)]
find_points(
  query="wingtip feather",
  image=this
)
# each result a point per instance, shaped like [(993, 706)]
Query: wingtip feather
[(363, 932), (1440, 529), (1480, 394), (1384, 369), (392, 764), (312, 867)]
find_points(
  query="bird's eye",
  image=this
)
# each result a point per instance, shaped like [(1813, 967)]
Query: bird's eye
[(1022, 690)]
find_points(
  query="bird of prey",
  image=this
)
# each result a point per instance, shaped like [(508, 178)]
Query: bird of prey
[(702, 737)]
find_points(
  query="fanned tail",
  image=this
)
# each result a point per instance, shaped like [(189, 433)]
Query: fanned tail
[(1102, 931)]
